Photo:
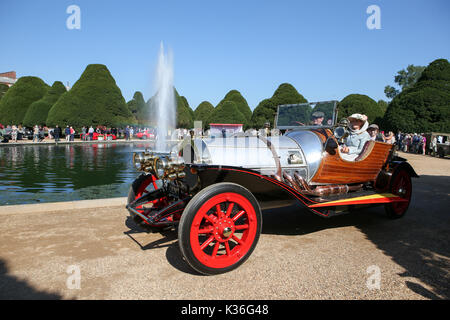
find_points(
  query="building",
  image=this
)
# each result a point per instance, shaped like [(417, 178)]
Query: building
[(224, 129), (8, 78)]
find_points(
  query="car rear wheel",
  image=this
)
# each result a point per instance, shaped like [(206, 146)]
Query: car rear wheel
[(400, 185), (219, 228)]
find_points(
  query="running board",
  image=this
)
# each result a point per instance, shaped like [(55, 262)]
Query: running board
[(372, 199)]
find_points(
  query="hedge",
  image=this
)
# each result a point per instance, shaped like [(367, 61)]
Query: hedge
[(94, 100), (16, 101)]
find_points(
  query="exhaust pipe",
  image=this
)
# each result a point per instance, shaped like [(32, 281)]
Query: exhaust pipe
[(323, 190)]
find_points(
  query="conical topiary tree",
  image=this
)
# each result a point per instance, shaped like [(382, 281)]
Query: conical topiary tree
[(184, 113), (139, 109), (227, 112), (94, 100), (425, 107), (38, 111), (240, 102), (359, 103), (16, 101), (3, 89), (203, 112), (267, 109)]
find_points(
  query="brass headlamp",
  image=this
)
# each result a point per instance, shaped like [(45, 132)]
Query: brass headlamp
[(162, 166)]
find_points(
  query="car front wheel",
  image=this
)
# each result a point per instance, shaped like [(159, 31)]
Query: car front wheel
[(219, 228)]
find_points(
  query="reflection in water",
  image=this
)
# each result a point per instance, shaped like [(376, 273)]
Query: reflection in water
[(30, 174)]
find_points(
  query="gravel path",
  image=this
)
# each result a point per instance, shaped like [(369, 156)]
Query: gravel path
[(299, 256)]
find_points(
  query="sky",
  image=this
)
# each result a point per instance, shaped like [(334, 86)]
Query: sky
[(324, 48)]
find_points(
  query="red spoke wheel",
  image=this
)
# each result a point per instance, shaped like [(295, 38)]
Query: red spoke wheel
[(219, 228), (142, 185), (401, 186)]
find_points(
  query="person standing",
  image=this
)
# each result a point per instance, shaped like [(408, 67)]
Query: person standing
[(67, 133), (83, 133), (127, 133), (424, 143), (72, 134), (433, 146), (36, 133), (91, 133), (14, 133), (57, 133)]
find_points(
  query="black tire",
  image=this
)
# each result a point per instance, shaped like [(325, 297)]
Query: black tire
[(194, 219), (400, 185)]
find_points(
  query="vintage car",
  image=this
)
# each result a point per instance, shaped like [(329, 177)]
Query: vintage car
[(213, 190), (144, 135), (99, 136)]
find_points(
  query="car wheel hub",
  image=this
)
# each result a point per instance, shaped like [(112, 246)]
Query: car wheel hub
[(224, 229)]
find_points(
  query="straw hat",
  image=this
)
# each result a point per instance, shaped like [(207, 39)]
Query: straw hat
[(358, 116)]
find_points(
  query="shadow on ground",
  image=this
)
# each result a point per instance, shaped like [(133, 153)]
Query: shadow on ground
[(419, 242), (13, 288)]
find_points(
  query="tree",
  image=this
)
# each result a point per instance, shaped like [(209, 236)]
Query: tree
[(390, 92), (3, 89), (405, 79), (359, 103), (93, 100), (227, 112), (425, 106), (267, 109), (203, 112), (139, 109), (17, 100), (383, 105), (240, 102), (186, 103), (38, 111), (184, 113)]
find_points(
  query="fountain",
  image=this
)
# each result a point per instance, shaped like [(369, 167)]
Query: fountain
[(164, 100)]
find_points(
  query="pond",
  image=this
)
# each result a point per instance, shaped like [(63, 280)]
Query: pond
[(66, 172)]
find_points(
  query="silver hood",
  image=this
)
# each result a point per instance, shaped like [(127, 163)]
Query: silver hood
[(298, 151)]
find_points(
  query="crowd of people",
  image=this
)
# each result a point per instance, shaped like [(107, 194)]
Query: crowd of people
[(412, 142), (359, 129), (360, 132), (38, 133)]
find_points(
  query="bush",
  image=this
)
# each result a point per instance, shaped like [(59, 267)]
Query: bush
[(38, 111), (94, 100), (3, 89), (227, 112), (203, 112), (267, 109), (16, 101), (139, 109), (184, 113), (359, 103), (425, 107), (240, 102)]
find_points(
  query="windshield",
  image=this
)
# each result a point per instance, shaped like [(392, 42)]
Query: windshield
[(315, 114)]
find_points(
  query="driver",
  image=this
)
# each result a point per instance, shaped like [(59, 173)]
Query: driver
[(317, 118), (357, 137)]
